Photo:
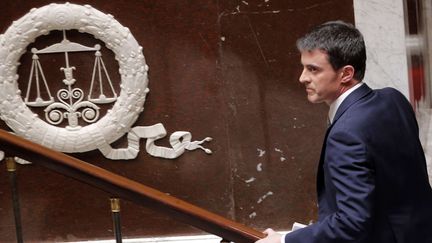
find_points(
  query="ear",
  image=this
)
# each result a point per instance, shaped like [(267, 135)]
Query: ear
[(347, 74)]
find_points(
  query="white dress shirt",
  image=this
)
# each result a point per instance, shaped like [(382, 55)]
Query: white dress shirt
[(335, 105)]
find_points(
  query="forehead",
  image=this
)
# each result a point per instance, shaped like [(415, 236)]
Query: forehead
[(314, 57)]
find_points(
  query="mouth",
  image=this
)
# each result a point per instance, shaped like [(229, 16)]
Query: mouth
[(309, 90)]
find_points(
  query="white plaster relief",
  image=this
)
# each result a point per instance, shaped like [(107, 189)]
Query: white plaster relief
[(261, 152), (250, 180), (252, 215), (118, 121), (261, 199), (282, 158), (259, 167)]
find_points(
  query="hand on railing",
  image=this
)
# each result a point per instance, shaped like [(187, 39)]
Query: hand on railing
[(271, 237)]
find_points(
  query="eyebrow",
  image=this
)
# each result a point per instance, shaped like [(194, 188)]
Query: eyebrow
[(312, 66)]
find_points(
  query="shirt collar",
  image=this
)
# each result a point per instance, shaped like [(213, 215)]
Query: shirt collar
[(335, 105)]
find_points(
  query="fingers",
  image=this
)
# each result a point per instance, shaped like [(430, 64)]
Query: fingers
[(271, 237), (269, 231)]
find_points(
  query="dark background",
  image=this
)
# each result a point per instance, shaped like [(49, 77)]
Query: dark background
[(227, 69)]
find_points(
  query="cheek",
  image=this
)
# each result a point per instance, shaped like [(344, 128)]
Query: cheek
[(323, 83), (317, 86)]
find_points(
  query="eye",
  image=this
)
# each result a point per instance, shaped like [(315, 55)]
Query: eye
[(312, 69)]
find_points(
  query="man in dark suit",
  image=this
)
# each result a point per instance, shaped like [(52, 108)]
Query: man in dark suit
[(372, 182)]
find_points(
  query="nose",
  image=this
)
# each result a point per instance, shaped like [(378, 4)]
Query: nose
[(303, 76)]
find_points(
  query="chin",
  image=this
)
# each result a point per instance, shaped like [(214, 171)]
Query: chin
[(314, 100)]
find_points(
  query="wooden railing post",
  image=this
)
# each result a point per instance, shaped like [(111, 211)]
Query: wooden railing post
[(11, 168), (115, 211)]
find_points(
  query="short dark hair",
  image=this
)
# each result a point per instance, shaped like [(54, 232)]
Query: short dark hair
[(342, 42)]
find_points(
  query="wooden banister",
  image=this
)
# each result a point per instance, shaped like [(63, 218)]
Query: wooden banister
[(128, 189)]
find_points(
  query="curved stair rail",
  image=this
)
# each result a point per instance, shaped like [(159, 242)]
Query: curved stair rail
[(128, 189)]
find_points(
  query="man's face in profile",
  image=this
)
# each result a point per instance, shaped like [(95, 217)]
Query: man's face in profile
[(322, 82)]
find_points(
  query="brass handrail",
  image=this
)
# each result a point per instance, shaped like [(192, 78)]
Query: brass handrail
[(128, 189)]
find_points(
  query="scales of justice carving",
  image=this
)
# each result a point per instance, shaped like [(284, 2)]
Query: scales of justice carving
[(71, 104), (70, 99)]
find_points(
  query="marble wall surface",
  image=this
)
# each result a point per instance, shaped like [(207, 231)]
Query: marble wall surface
[(428, 9), (383, 24)]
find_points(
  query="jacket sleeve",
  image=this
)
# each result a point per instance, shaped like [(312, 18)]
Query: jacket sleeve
[(349, 182)]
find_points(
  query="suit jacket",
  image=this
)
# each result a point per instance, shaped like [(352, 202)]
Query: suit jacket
[(372, 181)]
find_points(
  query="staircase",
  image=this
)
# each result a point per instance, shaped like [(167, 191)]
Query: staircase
[(225, 229)]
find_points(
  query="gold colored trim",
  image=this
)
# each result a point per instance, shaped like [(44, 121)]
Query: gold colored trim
[(115, 205), (10, 164)]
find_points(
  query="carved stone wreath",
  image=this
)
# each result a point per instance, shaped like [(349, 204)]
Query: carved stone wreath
[(118, 120)]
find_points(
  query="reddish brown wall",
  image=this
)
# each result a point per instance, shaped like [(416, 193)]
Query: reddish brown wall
[(221, 68)]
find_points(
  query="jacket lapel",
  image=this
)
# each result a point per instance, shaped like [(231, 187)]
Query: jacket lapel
[(350, 100)]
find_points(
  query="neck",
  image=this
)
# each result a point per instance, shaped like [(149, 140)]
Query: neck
[(344, 88), (348, 85)]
